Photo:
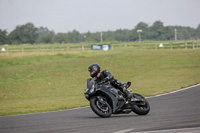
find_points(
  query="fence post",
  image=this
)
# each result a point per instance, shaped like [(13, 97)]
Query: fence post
[(22, 49), (125, 45), (186, 44), (82, 47), (112, 46), (155, 46), (7, 50), (193, 45), (53, 49), (171, 45), (38, 49)]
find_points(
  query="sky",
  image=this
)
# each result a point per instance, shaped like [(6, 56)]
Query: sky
[(97, 15)]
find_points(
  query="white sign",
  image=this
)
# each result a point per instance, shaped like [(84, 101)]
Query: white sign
[(3, 49), (96, 47), (161, 45), (105, 47)]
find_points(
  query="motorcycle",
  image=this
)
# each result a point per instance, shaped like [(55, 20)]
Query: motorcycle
[(106, 100)]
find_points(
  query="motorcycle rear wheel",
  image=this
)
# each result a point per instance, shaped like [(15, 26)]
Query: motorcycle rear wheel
[(101, 108), (142, 109)]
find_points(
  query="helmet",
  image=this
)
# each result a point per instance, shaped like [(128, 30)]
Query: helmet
[(94, 69)]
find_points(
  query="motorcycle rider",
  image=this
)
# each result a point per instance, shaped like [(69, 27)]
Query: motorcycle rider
[(105, 76)]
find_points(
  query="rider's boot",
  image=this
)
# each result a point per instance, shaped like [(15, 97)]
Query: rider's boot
[(128, 94), (123, 88), (127, 84)]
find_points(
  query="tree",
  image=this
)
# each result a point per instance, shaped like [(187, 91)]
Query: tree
[(197, 32), (109, 36), (133, 36), (88, 37), (157, 31), (24, 34), (141, 26), (73, 37), (61, 38), (183, 34), (169, 34), (27, 33), (96, 37), (42, 31), (145, 30), (121, 35), (48, 38), (4, 39)]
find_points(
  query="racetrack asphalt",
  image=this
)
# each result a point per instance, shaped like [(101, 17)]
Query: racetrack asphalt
[(177, 112)]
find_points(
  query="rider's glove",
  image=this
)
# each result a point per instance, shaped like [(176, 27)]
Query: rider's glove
[(104, 80)]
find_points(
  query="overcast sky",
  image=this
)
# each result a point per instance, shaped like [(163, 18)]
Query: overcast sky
[(97, 15)]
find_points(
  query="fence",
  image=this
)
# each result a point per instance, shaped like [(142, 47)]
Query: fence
[(86, 47), (43, 48), (156, 45)]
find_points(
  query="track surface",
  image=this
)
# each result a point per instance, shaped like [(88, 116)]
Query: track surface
[(176, 112)]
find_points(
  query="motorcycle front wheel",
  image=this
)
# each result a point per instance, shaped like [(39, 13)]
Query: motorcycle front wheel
[(100, 107)]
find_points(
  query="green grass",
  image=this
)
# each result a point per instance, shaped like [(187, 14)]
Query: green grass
[(39, 83)]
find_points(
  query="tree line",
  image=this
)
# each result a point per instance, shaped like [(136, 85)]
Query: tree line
[(29, 34)]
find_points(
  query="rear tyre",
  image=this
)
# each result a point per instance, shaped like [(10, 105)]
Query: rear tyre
[(100, 107), (142, 107)]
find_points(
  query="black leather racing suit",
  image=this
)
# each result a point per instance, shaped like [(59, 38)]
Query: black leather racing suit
[(107, 76)]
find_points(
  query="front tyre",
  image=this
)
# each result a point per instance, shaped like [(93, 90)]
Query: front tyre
[(100, 107), (142, 106)]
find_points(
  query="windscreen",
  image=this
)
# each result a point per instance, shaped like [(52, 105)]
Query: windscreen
[(89, 83)]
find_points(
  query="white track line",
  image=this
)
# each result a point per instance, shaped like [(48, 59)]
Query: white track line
[(124, 131), (174, 91), (179, 130)]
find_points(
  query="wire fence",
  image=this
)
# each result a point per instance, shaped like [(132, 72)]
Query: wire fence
[(87, 47)]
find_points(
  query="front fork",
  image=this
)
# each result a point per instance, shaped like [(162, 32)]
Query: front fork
[(101, 100)]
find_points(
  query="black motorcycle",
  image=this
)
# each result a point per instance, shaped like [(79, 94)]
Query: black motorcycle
[(106, 100)]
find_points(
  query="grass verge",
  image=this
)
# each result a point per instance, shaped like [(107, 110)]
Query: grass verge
[(40, 83)]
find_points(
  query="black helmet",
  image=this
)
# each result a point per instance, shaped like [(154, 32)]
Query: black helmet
[(94, 69)]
